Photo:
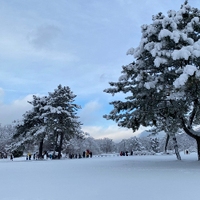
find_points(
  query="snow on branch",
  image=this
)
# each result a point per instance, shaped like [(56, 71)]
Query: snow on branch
[(189, 70), (130, 51)]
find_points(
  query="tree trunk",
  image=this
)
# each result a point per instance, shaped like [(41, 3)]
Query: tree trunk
[(40, 149), (166, 143), (196, 137), (60, 146), (198, 147), (176, 148), (55, 145)]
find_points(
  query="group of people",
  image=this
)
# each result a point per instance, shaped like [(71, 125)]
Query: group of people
[(35, 156), (125, 153), (86, 154), (29, 155), (71, 155)]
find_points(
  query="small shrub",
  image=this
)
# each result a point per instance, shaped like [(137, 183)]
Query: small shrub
[(17, 153)]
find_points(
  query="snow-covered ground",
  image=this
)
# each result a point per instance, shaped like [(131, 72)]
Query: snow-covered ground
[(158, 177)]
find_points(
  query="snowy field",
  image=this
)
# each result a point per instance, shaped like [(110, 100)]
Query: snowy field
[(158, 177)]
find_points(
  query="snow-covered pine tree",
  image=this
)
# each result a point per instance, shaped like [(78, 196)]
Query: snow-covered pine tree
[(155, 144), (32, 128), (163, 82), (6, 134), (61, 117), (136, 144), (52, 119), (146, 143)]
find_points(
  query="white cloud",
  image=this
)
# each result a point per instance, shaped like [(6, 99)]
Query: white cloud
[(15, 110), (113, 132), (91, 106), (90, 112)]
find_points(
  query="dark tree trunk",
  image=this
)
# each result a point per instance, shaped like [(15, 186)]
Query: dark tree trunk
[(198, 147), (196, 137), (176, 148), (55, 145), (40, 149), (166, 143), (60, 146)]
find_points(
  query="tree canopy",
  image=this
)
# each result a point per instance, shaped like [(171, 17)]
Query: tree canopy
[(53, 118), (162, 84)]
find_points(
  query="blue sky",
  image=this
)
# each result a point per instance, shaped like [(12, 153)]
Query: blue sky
[(76, 43)]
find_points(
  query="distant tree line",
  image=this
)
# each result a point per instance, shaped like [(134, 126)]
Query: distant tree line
[(76, 145)]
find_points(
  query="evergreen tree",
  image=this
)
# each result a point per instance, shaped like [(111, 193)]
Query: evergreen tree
[(53, 118), (155, 144), (6, 134), (136, 144), (61, 117), (32, 128), (163, 83)]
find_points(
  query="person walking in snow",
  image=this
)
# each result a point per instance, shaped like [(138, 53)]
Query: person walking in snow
[(131, 152), (84, 154), (29, 156), (87, 153), (11, 157)]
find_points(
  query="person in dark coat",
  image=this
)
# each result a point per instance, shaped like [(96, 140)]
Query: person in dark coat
[(131, 152), (29, 156), (84, 154), (70, 156)]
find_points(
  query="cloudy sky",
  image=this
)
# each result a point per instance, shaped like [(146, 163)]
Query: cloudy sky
[(77, 43)]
